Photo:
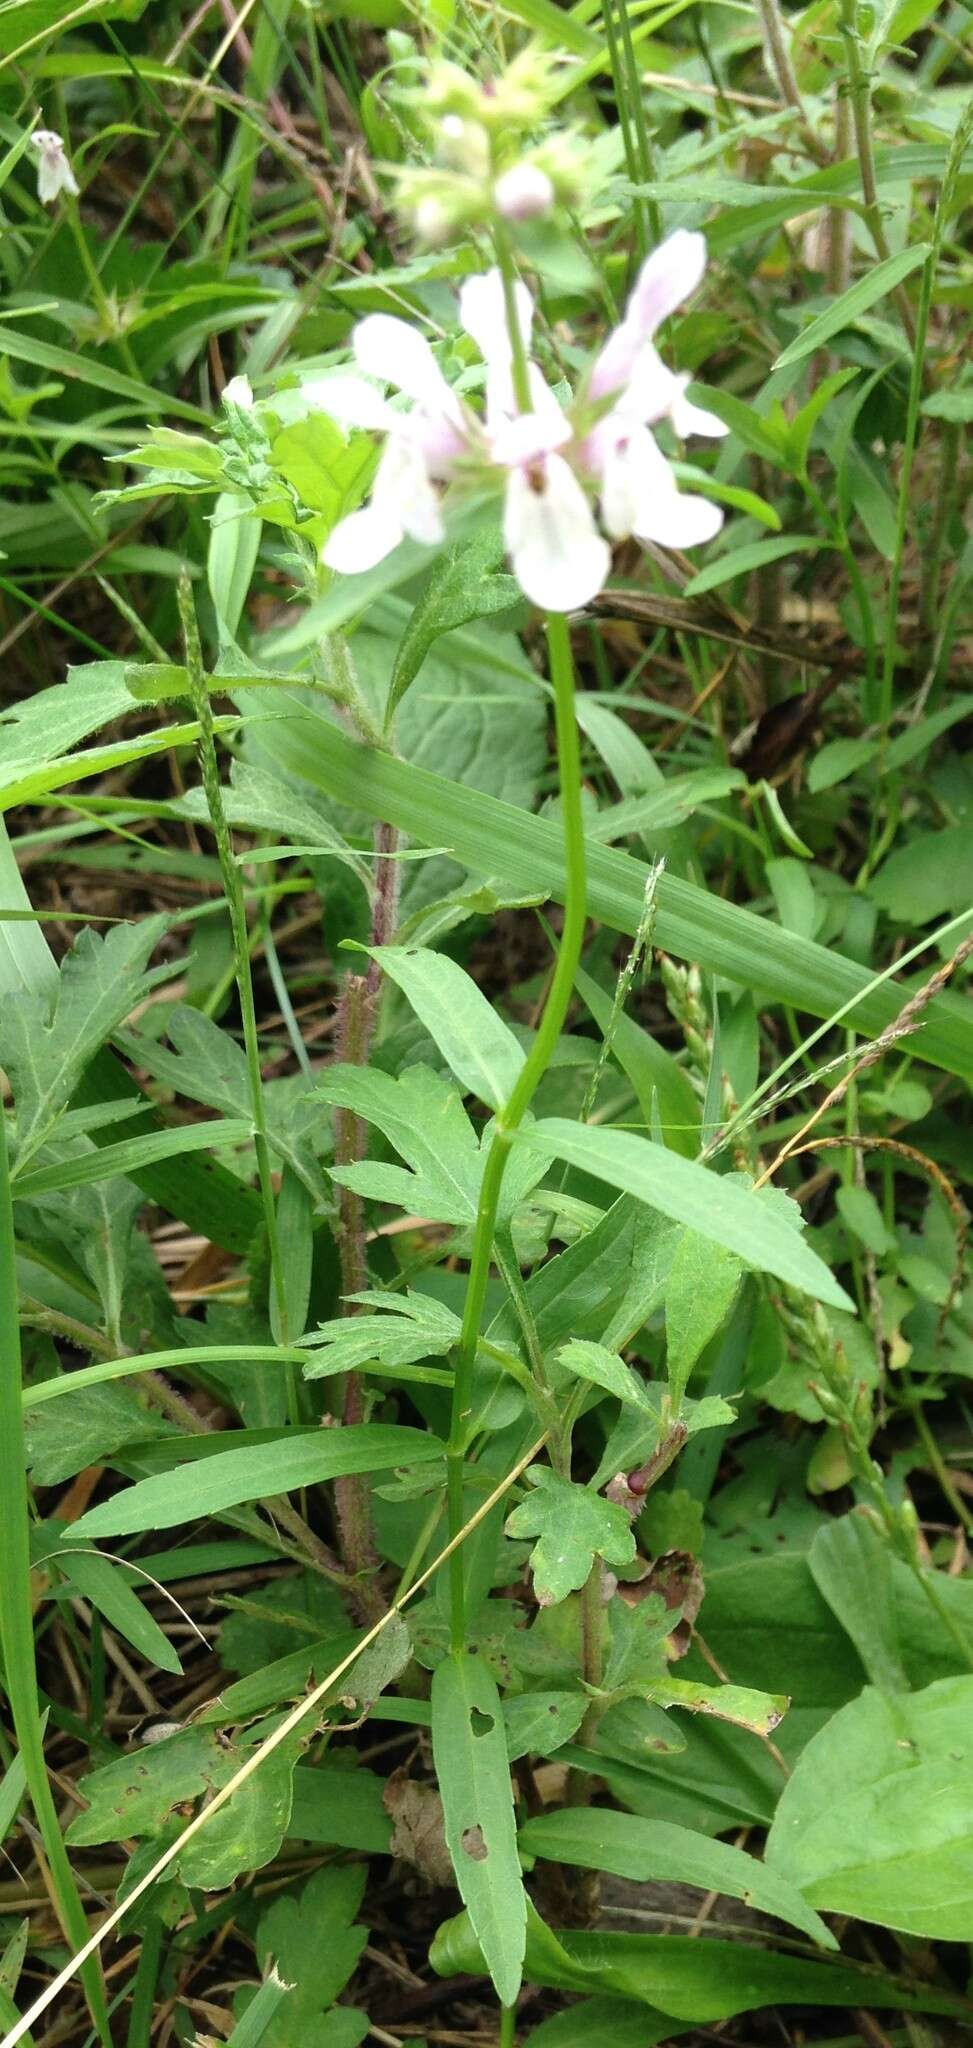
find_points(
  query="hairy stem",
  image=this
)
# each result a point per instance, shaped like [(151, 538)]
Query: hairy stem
[(233, 891), (531, 1073)]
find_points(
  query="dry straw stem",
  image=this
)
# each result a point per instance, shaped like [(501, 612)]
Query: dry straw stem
[(907, 1020), (866, 1141), (247, 1770)]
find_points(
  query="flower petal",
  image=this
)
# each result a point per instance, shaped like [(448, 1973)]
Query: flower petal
[(692, 419), (559, 559), (397, 353), (404, 492), (679, 520), (349, 400), (483, 316), (666, 278), (360, 541), (635, 476)]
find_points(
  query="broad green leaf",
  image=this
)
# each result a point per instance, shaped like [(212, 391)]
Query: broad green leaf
[(342, 1809), (249, 1830), (860, 1211), (423, 1117), (699, 1981), (494, 838), (659, 810), (233, 549), (315, 1942), (205, 1064), (719, 1208), (134, 1795), (266, 803), (410, 1326), (838, 759), (852, 1567), (756, 554), (470, 1754), (573, 1526), (45, 1045), (622, 1844), (844, 311), (463, 586), (478, 1047), (703, 1280), (537, 1723), (208, 1485), (877, 1819), (84, 1426), (926, 877)]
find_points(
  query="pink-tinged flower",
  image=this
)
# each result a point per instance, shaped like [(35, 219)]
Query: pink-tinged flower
[(551, 462), (557, 554), (421, 445), (54, 173)]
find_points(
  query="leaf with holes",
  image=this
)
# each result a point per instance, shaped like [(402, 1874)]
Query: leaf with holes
[(470, 1753)]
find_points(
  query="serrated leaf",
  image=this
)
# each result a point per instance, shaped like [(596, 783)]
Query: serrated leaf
[(315, 1941), (463, 586), (424, 1119), (45, 1045), (410, 1327), (573, 1526), (472, 1768)]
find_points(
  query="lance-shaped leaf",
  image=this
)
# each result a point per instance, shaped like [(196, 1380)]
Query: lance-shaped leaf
[(464, 585), (422, 1116), (469, 1747), (476, 1044)]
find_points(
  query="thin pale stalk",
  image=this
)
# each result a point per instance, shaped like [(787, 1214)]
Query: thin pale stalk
[(861, 109), (532, 1072), (16, 1612)]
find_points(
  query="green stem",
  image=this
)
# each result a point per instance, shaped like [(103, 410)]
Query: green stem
[(233, 891), (508, 273), (861, 109), (531, 1073), (16, 1612), (646, 155), (629, 139), (508, 2026)]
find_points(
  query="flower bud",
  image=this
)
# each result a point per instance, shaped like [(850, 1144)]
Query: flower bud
[(238, 392), (524, 192)]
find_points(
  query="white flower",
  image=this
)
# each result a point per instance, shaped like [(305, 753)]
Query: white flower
[(638, 491), (238, 392), (558, 557), (420, 449), (524, 192), (54, 173)]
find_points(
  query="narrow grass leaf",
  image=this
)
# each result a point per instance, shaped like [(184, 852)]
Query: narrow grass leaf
[(844, 311)]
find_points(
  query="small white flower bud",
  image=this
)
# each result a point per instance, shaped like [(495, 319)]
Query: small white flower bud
[(432, 221), (524, 192), (238, 392), (54, 173)]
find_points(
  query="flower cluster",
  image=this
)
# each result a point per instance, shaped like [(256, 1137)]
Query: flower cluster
[(486, 158), (550, 463)]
